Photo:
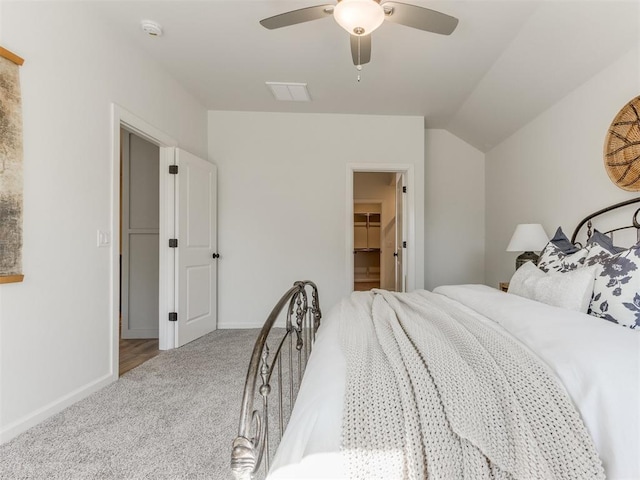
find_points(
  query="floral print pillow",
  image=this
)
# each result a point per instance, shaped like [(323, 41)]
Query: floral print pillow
[(604, 242), (599, 248), (596, 254), (561, 241), (616, 292), (553, 259)]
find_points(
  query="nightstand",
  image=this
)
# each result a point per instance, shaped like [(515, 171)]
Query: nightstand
[(504, 286)]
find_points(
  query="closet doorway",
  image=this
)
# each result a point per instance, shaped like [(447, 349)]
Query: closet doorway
[(367, 242), (378, 235), (183, 260), (139, 250)]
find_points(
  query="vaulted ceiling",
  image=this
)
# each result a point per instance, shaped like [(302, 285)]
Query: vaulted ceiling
[(506, 62)]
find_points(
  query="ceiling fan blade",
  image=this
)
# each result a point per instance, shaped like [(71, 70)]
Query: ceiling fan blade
[(297, 16), (361, 49), (419, 17)]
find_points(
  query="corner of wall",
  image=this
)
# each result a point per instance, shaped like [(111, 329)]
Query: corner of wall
[(564, 139), (454, 210)]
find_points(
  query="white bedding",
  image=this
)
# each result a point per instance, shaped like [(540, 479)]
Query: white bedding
[(598, 363)]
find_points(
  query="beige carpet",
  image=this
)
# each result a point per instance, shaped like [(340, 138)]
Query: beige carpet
[(174, 417)]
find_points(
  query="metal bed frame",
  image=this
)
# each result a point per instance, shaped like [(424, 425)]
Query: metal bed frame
[(253, 443), (634, 221), (292, 350)]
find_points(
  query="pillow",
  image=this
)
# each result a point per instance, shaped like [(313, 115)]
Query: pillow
[(561, 241), (605, 242), (522, 281), (559, 254), (599, 248), (553, 259), (571, 290), (616, 291)]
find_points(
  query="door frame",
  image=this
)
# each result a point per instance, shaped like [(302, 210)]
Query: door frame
[(120, 117), (410, 220)]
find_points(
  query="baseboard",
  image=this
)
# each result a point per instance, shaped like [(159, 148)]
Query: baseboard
[(25, 423)]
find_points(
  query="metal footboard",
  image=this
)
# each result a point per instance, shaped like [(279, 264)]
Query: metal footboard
[(279, 373)]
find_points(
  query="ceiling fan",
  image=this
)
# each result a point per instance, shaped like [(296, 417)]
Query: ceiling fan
[(361, 17)]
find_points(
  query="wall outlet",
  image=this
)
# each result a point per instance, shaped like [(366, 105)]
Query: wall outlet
[(104, 238)]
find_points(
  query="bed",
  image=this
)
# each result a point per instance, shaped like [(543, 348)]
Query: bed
[(524, 384)]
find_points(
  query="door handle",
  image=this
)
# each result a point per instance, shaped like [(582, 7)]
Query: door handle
[(395, 254), (216, 255)]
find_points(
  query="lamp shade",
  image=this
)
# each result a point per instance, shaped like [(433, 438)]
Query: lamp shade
[(528, 237), (359, 17)]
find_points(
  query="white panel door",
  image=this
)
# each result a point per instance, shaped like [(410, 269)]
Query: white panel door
[(196, 262)]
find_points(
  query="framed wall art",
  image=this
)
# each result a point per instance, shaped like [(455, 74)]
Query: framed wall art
[(11, 183)]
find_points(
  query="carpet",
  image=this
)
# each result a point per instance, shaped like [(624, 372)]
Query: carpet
[(173, 417)]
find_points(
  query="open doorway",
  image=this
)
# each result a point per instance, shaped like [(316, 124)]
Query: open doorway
[(378, 230), (369, 261), (185, 289), (139, 250), (164, 287)]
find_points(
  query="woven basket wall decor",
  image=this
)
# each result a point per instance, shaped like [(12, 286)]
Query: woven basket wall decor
[(622, 148)]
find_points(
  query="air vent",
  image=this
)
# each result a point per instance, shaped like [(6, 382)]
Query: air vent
[(289, 92)]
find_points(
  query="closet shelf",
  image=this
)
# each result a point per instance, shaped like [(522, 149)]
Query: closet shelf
[(366, 279), (366, 249)]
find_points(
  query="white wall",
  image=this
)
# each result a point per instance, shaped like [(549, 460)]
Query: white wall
[(454, 211), (551, 171), (284, 179), (55, 331)]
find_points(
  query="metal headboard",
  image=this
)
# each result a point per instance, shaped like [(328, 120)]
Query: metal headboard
[(252, 445), (634, 222)]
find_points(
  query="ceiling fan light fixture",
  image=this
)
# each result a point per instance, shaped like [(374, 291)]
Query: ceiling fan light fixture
[(359, 17)]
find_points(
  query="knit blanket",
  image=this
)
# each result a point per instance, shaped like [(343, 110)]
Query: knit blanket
[(432, 392)]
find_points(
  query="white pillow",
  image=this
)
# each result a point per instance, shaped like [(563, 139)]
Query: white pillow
[(571, 290), (523, 281)]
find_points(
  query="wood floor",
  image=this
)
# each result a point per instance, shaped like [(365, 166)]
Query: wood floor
[(134, 352)]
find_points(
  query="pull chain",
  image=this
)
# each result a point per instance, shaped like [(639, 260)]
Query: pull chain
[(359, 66)]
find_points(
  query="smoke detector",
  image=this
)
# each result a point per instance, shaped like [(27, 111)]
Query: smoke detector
[(151, 28)]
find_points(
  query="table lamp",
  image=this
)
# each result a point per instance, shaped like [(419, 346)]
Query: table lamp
[(527, 238)]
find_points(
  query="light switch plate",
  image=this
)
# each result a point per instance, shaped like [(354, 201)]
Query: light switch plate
[(104, 238)]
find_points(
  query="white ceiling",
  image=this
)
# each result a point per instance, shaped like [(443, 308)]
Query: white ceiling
[(506, 62)]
